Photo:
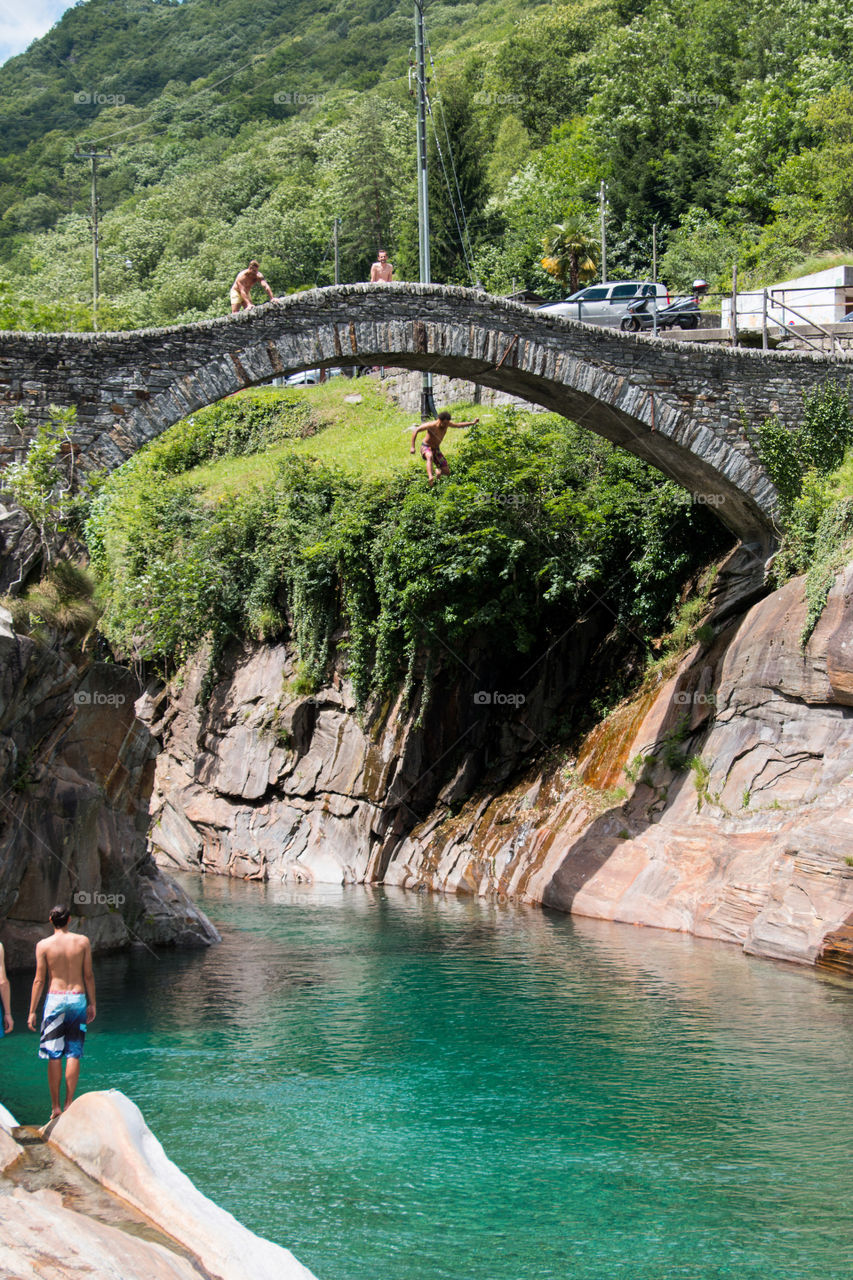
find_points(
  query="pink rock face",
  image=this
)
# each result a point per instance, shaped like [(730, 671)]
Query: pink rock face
[(748, 845), (105, 1134)]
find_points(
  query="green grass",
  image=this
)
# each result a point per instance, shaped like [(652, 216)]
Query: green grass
[(368, 440), (806, 267), (841, 479)]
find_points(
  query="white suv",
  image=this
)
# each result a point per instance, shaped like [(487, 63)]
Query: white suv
[(606, 303)]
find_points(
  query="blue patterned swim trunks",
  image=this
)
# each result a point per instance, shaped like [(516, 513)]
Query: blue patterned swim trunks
[(63, 1025)]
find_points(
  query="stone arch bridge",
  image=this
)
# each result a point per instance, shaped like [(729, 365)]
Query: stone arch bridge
[(683, 408)]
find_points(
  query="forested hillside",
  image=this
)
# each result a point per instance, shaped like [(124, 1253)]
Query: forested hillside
[(243, 128)]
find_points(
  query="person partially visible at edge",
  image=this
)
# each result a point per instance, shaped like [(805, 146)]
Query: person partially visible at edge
[(64, 966), (381, 272), (6, 1021), (242, 287), (431, 446)]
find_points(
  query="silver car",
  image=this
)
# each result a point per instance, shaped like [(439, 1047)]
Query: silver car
[(606, 304)]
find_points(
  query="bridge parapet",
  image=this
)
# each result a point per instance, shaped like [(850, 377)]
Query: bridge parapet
[(684, 410)]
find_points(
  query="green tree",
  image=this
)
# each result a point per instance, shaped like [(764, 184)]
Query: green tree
[(367, 173), (572, 253), (44, 487)]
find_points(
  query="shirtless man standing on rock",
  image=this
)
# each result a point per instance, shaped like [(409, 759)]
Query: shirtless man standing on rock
[(64, 963), (242, 287)]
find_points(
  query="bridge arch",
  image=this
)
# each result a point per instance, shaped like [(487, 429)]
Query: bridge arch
[(682, 408)]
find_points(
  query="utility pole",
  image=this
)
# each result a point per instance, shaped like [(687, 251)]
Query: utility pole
[(427, 402), (602, 206), (337, 254), (654, 251), (93, 155)]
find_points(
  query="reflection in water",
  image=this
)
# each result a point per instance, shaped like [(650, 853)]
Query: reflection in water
[(414, 1087)]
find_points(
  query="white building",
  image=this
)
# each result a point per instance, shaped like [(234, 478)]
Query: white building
[(821, 298)]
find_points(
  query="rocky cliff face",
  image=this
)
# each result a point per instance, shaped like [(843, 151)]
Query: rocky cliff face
[(76, 768), (748, 844), (262, 782), (738, 824)]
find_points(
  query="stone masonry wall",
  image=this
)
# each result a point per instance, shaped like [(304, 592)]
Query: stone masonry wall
[(680, 408)]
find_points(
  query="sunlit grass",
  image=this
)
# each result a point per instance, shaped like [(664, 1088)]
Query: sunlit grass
[(367, 438), (841, 479)]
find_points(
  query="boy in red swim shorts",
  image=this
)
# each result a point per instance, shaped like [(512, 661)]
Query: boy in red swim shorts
[(431, 446)]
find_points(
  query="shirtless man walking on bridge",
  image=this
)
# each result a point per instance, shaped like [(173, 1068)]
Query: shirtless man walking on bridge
[(64, 963), (242, 287)]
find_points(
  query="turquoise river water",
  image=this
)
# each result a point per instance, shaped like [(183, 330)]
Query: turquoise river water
[(405, 1087)]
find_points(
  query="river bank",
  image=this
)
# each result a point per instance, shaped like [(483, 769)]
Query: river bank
[(715, 801), (94, 1191)]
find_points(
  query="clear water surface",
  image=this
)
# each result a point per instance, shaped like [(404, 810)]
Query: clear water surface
[(405, 1087)]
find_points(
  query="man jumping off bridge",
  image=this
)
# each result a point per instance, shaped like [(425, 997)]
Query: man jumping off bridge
[(431, 446), (242, 287)]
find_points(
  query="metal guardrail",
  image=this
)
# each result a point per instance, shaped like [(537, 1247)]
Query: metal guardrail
[(771, 302), (771, 305)]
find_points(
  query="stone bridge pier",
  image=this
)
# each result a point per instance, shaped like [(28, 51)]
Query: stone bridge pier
[(686, 410)]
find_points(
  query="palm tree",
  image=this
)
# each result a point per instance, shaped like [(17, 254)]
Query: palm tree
[(572, 252)]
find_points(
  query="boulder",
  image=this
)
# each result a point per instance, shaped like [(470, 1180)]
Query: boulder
[(105, 1134), (40, 1238)]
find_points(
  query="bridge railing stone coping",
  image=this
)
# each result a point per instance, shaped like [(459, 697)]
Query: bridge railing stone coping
[(336, 293), (688, 411)]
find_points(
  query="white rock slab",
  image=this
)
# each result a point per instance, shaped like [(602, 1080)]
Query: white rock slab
[(9, 1150), (7, 1120), (40, 1239), (106, 1135)]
